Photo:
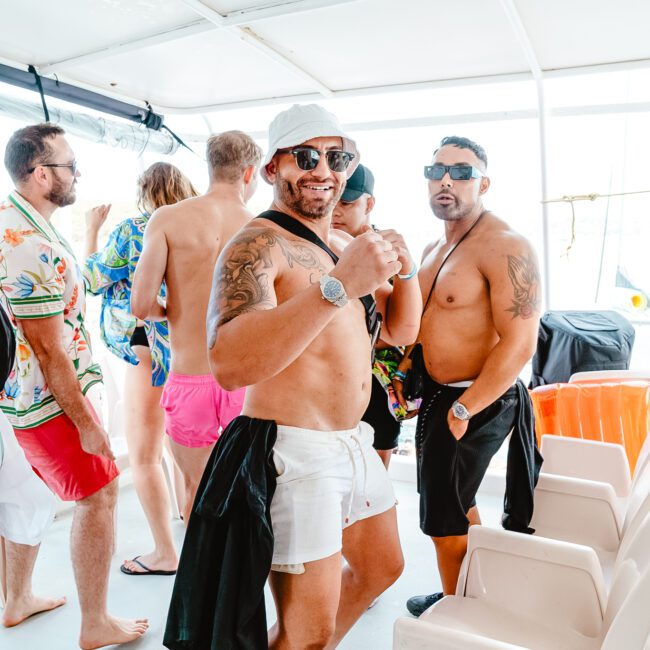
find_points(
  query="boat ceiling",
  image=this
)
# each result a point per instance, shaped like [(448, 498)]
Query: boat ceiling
[(198, 56)]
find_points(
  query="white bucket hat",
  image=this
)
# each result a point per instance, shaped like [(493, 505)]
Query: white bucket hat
[(301, 123)]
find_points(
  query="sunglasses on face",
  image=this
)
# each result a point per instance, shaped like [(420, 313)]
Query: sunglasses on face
[(71, 166), (307, 158), (456, 172)]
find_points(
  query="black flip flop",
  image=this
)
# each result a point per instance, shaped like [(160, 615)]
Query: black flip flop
[(147, 571)]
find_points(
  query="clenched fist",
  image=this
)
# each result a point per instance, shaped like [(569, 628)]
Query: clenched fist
[(399, 245), (366, 263)]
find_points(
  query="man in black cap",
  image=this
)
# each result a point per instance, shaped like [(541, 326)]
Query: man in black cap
[(352, 212), (352, 215)]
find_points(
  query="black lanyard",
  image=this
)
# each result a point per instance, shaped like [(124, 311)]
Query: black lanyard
[(447, 256), (373, 318)]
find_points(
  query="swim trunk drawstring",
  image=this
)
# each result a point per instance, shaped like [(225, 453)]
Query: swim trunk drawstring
[(365, 468), (348, 446)]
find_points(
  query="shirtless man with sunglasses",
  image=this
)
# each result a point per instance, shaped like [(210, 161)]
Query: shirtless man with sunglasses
[(304, 316), (479, 328)]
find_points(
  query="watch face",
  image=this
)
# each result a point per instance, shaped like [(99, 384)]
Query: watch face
[(460, 412), (332, 289)]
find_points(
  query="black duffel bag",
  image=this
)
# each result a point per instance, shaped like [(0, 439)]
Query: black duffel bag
[(580, 341)]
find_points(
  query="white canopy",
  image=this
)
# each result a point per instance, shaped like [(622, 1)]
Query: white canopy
[(197, 56)]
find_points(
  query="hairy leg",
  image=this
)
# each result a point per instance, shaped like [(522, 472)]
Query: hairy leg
[(374, 558), (450, 552), (91, 550), (306, 605), (21, 602), (191, 461), (145, 432)]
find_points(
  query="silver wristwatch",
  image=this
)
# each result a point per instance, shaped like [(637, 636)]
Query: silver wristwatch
[(460, 411), (333, 291)]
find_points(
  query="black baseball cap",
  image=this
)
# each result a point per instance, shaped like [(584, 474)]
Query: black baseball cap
[(360, 183)]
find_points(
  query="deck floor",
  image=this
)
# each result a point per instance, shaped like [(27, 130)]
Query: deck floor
[(149, 596)]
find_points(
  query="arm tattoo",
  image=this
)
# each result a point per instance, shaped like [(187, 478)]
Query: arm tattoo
[(524, 276), (242, 280)]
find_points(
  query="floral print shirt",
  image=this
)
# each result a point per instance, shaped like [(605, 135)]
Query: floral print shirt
[(109, 273), (39, 278)]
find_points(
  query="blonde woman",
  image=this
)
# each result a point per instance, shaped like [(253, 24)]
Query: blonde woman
[(144, 345)]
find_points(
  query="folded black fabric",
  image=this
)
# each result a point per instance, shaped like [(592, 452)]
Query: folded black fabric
[(218, 597), (523, 467)]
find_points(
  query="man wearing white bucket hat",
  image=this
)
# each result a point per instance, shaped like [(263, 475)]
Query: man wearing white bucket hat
[(307, 301)]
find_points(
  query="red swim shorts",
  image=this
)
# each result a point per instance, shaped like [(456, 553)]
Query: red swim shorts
[(54, 450)]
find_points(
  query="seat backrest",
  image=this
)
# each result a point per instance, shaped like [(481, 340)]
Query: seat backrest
[(635, 545), (627, 624), (612, 412), (588, 459), (522, 581), (639, 497), (608, 375), (642, 460), (584, 516)]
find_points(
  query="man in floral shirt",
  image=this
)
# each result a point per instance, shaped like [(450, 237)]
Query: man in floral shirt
[(42, 289)]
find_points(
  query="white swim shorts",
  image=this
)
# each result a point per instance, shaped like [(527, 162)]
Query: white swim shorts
[(327, 480), (26, 504)]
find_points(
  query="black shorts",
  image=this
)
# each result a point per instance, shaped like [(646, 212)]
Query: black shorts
[(139, 337), (450, 471), (379, 417)]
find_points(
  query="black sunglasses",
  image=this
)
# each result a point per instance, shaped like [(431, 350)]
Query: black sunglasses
[(456, 172), (307, 158), (71, 166)]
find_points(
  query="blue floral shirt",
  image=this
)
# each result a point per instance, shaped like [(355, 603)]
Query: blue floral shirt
[(109, 273)]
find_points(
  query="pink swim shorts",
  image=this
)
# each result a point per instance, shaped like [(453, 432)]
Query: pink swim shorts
[(197, 409)]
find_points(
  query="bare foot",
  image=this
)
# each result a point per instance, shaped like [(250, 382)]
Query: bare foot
[(111, 631), (17, 612), (153, 561)]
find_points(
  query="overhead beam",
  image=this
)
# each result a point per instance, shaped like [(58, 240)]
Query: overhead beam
[(176, 33), (211, 15), (465, 118), (211, 20), (409, 87), (78, 95), (250, 37), (253, 14), (512, 14), (351, 92), (522, 36)]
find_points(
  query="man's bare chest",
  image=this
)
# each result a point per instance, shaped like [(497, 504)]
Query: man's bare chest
[(459, 283), (304, 265), (301, 265)]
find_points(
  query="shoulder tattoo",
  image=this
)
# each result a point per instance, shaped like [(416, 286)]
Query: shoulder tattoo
[(523, 273), (242, 281)]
